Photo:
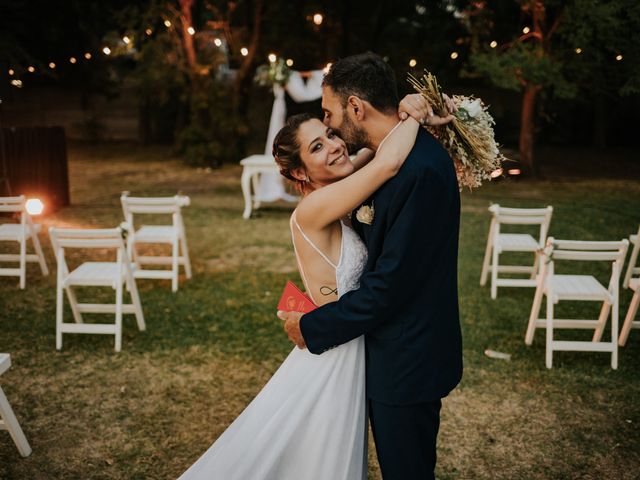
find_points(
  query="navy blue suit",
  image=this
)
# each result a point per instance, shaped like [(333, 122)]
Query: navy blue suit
[(407, 308)]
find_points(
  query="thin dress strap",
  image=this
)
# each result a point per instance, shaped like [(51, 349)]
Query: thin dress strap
[(295, 250)]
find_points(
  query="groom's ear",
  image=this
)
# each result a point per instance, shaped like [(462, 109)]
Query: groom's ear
[(357, 106)]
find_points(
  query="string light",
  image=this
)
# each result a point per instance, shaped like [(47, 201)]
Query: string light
[(191, 30), (578, 51), (11, 72), (31, 69), (493, 44), (148, 31), (272, 57), (218, 42), (412, 62), (52, 65), (16, 83), (289, 62), (106, 51), (167, 23), (526, 30), (619, 57), (318, 18), (454, 55), (496, 173), (34, 206), (126, 40), (244, 51), (514, 171), (72, 60), (87, 56)]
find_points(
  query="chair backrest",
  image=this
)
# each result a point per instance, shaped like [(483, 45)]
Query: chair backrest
[(522, 216), (576, 250), (154, 205), (13, 204), (99, 238)]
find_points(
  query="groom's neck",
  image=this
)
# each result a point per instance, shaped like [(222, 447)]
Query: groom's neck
[(379, 127)]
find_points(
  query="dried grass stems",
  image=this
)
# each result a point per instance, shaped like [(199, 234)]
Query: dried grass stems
[(469, 137)]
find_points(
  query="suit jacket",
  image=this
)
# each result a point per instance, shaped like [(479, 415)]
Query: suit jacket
[(407, 303)]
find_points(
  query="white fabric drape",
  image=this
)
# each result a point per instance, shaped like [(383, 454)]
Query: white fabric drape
[(271, 186)]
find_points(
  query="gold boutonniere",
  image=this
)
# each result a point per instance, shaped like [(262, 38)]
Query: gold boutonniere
[(365, 214)]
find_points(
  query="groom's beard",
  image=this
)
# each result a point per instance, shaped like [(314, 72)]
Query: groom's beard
[(354, 137)]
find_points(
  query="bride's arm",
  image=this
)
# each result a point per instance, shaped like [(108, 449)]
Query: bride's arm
[(327, 204)]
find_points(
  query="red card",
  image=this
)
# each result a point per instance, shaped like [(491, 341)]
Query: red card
[(293, 300)]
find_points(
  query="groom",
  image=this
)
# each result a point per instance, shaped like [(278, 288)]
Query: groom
[(407, 303)]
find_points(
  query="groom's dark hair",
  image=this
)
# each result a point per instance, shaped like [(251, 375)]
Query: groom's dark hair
[(366, 76)]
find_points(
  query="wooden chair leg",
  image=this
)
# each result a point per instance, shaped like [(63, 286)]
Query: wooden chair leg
[(40, 254), (534, 315), (59, 311), (118, 341), (137, 305), (549, 349), (174, 265), (494, 274), (629, 319), (602, 322), (185, 255), (10, 422), (614, 333), (486, 260), (23, 263)]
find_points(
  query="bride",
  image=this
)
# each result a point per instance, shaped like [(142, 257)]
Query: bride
[(309, 421)]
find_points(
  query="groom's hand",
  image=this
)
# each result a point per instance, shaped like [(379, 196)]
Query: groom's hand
[(292, 327)]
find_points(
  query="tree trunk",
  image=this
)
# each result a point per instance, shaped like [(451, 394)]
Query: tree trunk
[(527, 129)]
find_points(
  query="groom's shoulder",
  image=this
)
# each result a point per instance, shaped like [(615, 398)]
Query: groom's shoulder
[(427, 155)]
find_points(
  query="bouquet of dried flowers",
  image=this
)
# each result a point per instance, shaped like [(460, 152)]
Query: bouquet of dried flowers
[(469, 137), (274, 72)]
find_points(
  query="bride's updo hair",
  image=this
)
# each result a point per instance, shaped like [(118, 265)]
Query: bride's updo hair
[(286, 148)]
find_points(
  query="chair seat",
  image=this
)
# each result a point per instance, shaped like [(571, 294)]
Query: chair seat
[(95, 274), (577, 287), (5, 362), (155, 233), (12, 231), (517, 242)]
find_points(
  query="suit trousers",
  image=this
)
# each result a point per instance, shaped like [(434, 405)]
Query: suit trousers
[(405, 438)]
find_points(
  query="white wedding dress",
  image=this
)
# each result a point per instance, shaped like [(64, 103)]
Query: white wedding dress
[(309, 420)]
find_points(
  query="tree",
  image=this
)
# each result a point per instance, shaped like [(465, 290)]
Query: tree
[(549, 53)]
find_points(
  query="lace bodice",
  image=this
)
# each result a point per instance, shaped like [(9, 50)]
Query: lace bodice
[(353, 257), (352, 261)]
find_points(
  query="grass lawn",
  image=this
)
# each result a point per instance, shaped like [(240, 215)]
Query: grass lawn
[(151, 410)]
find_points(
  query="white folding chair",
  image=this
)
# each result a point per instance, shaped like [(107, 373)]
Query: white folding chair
[(578, 288), (632, 269), (629, 322), (499, 242), (21, 233), (174, 235), (8, 420), (94, 274)]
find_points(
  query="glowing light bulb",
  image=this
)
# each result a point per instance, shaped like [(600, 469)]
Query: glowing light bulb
[(578, 51), (16, 83), (106, 50), (289, 62), (72, 60), (327, 67), (167, 23), (126, 40), (244, 51), (619, 57), (217, 42), (493, 44), (454, 55), (413, 62), (52, 65), (191, 30), (31, 69), (11, 72), (272, 57), (34, 206), (526, 30), (496, 173), (87, 56), (318, 18), (514, 171), (148, 31)]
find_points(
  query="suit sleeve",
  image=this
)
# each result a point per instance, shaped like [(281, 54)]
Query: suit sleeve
[(415, 211)]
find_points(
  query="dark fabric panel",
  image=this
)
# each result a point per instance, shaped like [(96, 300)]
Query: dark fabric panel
[(36, 160)]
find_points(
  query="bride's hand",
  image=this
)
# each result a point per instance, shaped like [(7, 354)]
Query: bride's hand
[(416, 106)]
